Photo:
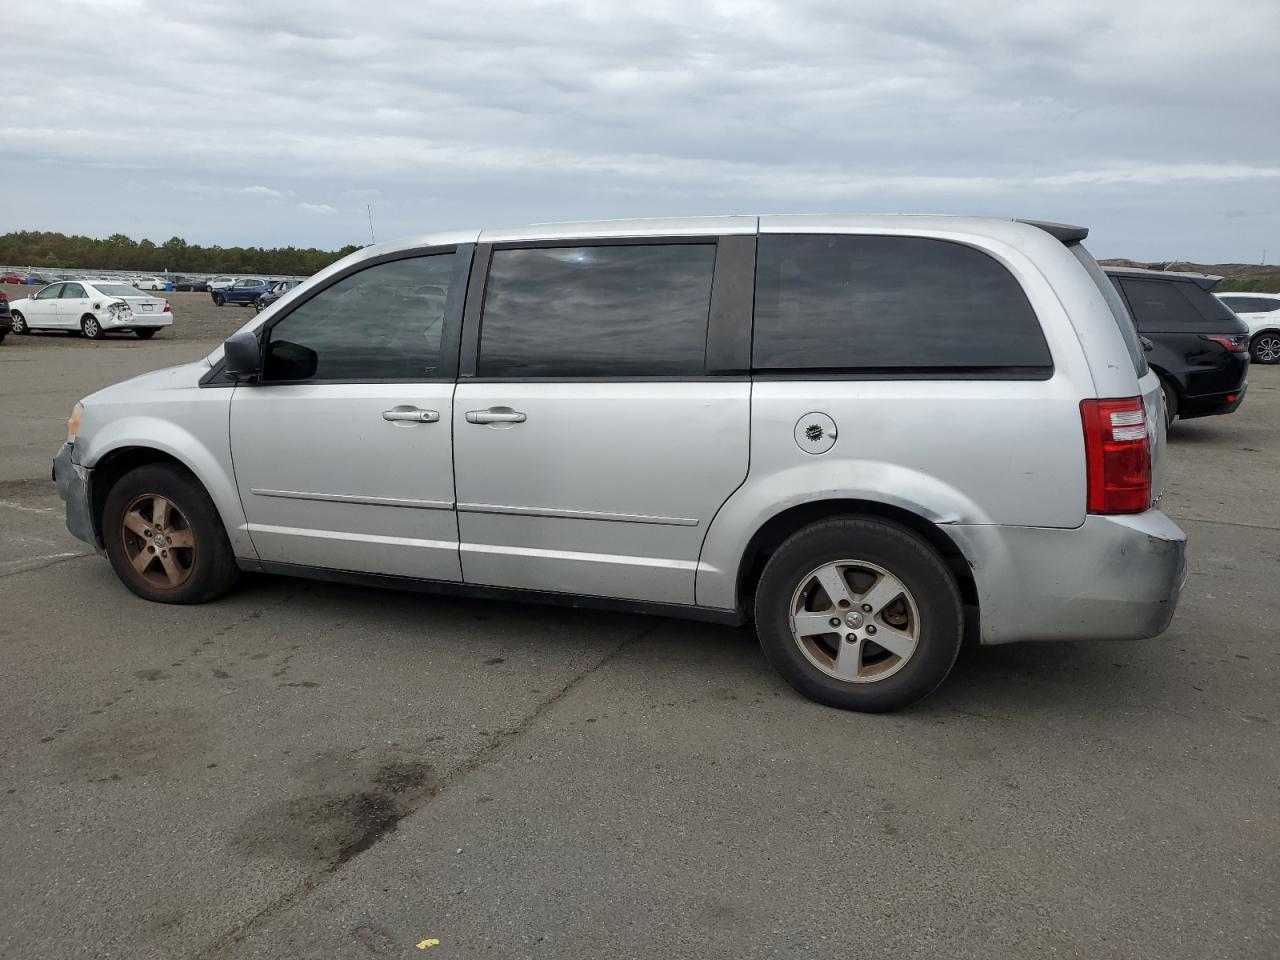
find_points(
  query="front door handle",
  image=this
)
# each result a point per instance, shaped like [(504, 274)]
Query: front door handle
[(410, 415), (495, 415)]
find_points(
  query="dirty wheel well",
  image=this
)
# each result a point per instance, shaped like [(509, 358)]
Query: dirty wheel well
[(115, 465), (771, 536)]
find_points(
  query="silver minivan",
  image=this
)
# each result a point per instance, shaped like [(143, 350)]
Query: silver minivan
[(877, 437)]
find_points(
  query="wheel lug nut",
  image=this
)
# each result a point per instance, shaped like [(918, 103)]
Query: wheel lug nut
[(835, 621), (866, 608), (169, 539), (164, 553), (850, 638), (870, 629), (844, 603)]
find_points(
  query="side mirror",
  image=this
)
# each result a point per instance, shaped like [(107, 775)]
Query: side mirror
[(243, 354), (1147, 345)]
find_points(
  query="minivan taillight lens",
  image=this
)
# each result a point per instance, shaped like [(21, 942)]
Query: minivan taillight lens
[(1117, 455)]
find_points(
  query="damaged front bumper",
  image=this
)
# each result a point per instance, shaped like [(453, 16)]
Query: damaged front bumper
[(72, 481)]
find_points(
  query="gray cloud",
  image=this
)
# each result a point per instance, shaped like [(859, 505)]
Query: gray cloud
[(1148, 121)]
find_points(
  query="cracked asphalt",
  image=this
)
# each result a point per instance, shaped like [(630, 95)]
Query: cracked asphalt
[(312, 770)]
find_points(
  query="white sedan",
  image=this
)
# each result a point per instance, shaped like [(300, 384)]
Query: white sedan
[(151, 283), (92, 307)]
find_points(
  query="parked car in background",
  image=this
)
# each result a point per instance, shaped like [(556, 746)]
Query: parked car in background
[(243, 293), (274, 293), (219, 283), (868, 434), (39, 279), (6, 318), (1261, 313), (154, 283), (12, 277), (1199, 347), (192, 284), (93, 308)]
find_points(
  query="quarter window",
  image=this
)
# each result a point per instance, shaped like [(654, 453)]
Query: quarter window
[(633, 310), (865, 302), (383, 323)]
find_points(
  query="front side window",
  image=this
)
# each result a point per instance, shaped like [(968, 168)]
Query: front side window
[(383, 323), (631, 310), (847, 303), (51, 292)]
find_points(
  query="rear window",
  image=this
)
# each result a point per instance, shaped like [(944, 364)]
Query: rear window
[(850, 303), (118, 290)]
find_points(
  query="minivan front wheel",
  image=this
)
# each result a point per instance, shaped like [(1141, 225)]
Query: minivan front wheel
[(164, 538), (859, 614)]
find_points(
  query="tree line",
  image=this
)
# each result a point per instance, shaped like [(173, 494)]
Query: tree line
[(35, 248)]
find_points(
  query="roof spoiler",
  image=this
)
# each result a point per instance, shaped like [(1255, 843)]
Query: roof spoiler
[(1065, 232)]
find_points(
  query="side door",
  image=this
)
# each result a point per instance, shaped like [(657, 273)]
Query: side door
[(602, 414), (73, 303), (43, 308), (343, 449)]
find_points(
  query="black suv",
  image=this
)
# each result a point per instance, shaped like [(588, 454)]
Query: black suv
[(1198, 346), (6, 318)]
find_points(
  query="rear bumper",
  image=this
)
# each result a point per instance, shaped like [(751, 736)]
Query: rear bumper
[(1112, 578), (1212, 404), (72, 481), (136, 320)]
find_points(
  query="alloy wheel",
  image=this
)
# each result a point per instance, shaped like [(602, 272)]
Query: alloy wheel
[(1267, 348), (158, 541), (855, 621)]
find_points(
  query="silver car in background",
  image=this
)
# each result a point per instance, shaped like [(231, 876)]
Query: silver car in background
[(874, 436)]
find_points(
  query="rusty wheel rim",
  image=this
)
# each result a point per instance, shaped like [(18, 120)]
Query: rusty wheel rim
[(158, 541), (855, 621)]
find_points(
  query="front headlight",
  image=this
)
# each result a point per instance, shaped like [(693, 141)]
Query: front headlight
[(73, 422)]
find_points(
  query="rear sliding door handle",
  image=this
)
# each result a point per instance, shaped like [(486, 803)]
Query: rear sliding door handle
[(495, 415), (410, 415)]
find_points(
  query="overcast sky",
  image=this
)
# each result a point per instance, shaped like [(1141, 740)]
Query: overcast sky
[(275, 121)]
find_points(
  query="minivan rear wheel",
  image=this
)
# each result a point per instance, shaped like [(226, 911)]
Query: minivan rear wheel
[(859, 614), (164, 537)]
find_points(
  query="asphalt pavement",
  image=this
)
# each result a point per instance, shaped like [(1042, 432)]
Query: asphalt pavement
[(313, 770)]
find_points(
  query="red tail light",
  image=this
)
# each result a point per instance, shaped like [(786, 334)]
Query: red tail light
[(1238, 344), (167, 308), (1117, 455)]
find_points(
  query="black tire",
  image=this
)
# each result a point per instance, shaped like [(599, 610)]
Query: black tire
[(211, 566), (907, 557), (1265, 347), (3, 334), (19, 324), (145, 333), (1170, 402), (91, 328), (219, 299)]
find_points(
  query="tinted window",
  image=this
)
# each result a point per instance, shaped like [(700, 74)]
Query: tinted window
[(383, 323), (601, 311), (857, 302), (1164, 304)]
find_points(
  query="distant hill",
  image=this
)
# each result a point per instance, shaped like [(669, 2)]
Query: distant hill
[(1236, 276)]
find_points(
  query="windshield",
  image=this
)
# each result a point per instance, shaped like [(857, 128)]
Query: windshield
[(118, 290)]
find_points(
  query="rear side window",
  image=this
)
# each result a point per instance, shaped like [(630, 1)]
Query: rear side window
[(866, 302), (1119, 309), (1171, 305), (597, 311)]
